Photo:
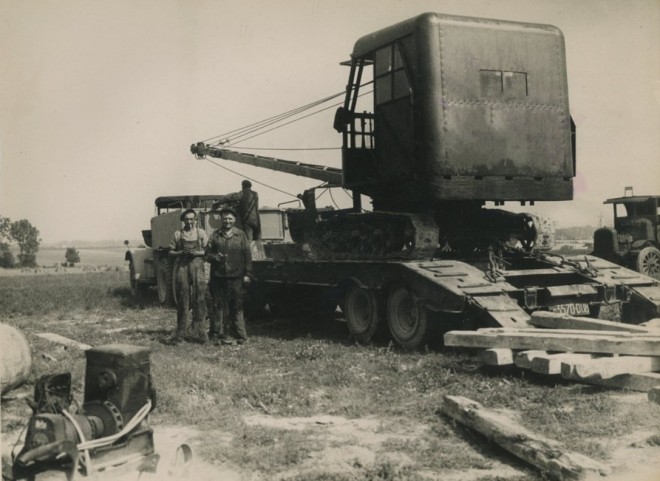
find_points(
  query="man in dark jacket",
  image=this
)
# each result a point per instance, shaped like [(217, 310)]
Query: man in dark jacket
[(247, 207), (248, 210), (231, 268)]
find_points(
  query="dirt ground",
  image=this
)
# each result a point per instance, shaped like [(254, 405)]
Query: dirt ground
[(354, 444)]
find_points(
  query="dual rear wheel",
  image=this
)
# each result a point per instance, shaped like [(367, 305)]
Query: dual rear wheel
[(367, 310)]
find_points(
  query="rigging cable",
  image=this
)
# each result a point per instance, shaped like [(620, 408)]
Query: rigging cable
[(291, 121), (249, 178), (250, 128), (277, 117)]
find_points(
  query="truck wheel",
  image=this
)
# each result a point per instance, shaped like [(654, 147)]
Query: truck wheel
[(407, 321), (648, 262), (363, 313), (135, 290), (165, 281)]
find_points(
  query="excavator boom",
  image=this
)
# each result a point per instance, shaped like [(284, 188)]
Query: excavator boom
[(331, 175)]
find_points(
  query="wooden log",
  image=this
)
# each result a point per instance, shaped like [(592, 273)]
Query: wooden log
[(497, 357), (524, 358), (549, 455), (551, 363), (65, 341), (654, 394), (609, 367), (556, 320), (548, 340)]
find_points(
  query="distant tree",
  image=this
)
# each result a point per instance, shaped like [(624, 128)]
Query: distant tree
[(27, 238), (72, 256), (6, 255)]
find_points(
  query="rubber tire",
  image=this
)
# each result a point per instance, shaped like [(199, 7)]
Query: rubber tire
[(648, 262), (165, 281), (137, 289), (408, 324), (363, 313)]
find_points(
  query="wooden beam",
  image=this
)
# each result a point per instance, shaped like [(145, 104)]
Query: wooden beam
[(551, 363), (496, 357), (549, 455), (642, 382), (609, 367), (524, 358), (568, 332), (548, 340), (65, 341), (555, 320)]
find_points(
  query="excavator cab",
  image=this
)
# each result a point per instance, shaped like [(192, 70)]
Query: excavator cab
[(461, 109)]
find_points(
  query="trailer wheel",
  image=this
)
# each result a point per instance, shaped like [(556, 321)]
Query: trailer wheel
[(407, 321), (648, 262), (363, 313), (165, 281)]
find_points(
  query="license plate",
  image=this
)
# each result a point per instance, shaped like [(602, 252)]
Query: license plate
[(573, 309)]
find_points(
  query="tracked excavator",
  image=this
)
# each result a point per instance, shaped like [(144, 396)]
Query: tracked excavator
[(466, 111)]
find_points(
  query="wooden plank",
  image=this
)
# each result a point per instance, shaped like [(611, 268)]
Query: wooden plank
[(551, 456), (551, 363), (570, 332), (609, 367), (497, 357), (65, 341), (524, 358), (556, 320), (642, 382), (654, 394), (546, 340)]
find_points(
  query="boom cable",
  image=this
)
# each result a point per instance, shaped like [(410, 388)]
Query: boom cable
[(249, 178), (239, 134)]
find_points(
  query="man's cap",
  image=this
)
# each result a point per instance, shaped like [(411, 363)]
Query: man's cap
[(246, 183), (186, 212), (229, 210)]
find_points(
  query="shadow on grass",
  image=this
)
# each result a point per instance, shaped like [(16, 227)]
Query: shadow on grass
[(297, 325), (140, 301)]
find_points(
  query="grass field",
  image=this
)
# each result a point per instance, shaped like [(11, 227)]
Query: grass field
[(300, 401)]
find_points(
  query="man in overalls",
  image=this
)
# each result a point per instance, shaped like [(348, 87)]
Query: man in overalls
[(188, 246)]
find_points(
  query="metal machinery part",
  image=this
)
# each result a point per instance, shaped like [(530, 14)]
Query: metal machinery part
[(107, 433)]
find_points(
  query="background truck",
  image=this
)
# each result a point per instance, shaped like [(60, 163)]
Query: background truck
[(463, 112), (634, 241)]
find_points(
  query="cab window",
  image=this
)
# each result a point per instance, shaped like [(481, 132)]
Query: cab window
[(390, 75)]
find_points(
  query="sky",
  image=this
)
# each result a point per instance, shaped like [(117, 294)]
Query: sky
[(100, 101)]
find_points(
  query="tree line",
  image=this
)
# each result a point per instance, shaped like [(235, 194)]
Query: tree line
[(25, 235)]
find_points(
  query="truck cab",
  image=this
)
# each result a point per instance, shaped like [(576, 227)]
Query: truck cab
[(635, 238)]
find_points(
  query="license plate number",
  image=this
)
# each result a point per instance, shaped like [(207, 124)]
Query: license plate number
[(573, 309)]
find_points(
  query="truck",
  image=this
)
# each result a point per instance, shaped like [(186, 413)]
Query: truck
[(463, 113), (634, 241), (151, 266)]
